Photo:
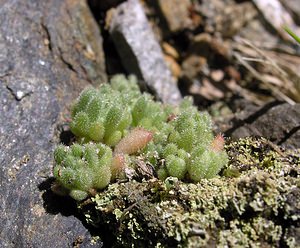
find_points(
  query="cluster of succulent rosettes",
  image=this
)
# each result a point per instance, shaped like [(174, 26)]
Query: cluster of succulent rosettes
[(186, 147), (116, 123), (82, 169), (106, 114)]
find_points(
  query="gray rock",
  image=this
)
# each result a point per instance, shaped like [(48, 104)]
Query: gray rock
[(49, 51), (279, 123), (140, 52), (294, 7)]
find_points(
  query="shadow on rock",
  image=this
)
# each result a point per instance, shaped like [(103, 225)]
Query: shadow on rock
[(54, 203), (66, 206)]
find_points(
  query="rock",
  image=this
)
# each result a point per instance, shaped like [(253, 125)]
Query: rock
[(170, 50), (171, 57), (277, 16), (226, 17), (280, 123), (173, 66), (233, 18), (140, 52), (77, 41), (50, 51), (175, 14), (293, 7)]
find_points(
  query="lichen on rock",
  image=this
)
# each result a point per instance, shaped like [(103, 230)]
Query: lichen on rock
[(257, 206)]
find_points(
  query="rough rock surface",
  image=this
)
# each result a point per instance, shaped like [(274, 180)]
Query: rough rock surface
[(49, 51), (141, 54), (280, 123)]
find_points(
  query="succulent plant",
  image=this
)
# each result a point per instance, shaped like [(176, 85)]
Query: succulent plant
[(188, 147), (82, 169), (102, 115), (116, 123)]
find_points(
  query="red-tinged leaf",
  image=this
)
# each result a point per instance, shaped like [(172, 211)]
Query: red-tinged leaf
[(118, 165), (217, 144), (135, 140)]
